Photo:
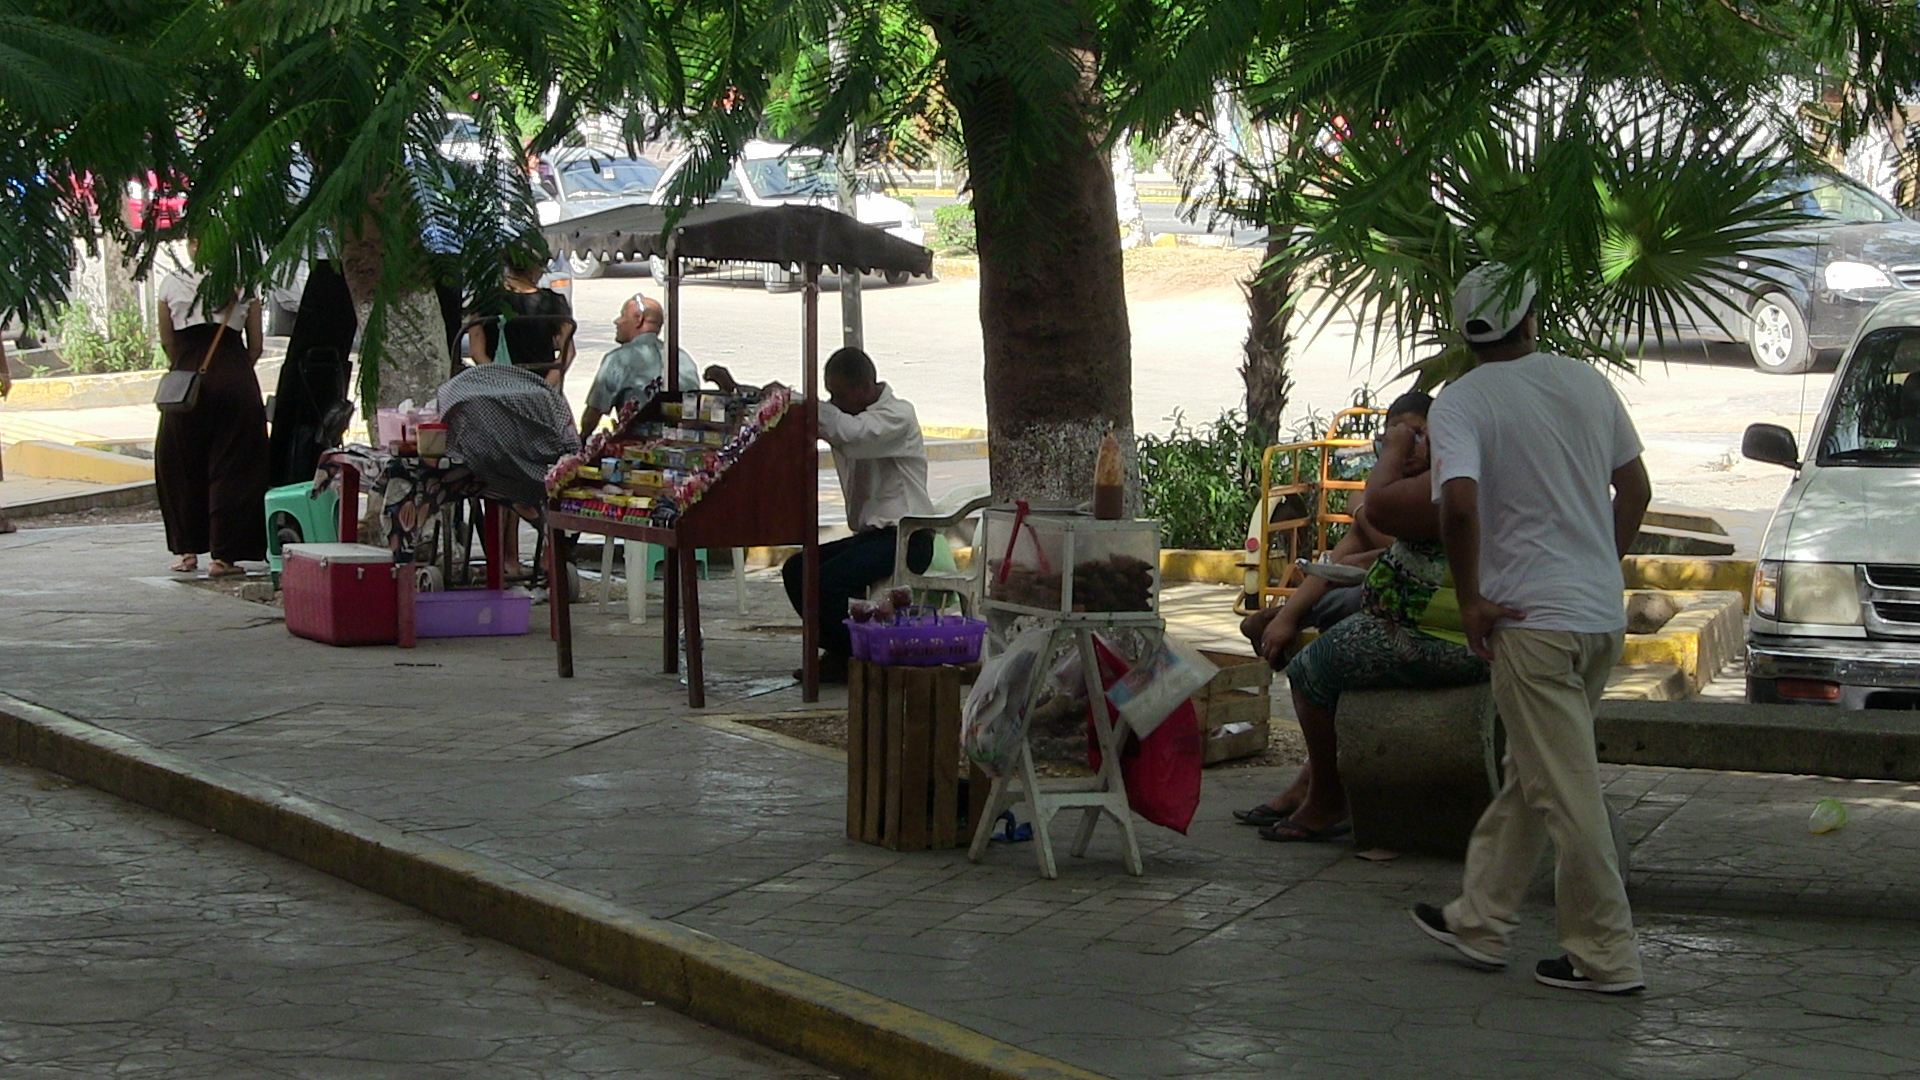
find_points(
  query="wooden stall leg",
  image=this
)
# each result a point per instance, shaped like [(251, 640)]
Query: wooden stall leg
[(809, 620), (670, 614), (403, 588), (559, 602), (690, 600), (349, 505), (740, 579), (493, 541)]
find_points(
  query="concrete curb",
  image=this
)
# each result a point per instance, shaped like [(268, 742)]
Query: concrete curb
[(780, 1006), (1699, 640), (56, 461), (114, 390), (143, 493)]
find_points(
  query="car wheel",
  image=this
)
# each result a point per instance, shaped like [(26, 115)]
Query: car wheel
[(585, 267), (1777, 336), (898, 277), (657, 269)]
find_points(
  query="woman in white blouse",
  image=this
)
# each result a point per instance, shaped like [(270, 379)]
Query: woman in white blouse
[(210, 463)]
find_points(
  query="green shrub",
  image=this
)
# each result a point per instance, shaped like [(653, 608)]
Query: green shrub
[(1201, 482), (953, 228), (126, 346)]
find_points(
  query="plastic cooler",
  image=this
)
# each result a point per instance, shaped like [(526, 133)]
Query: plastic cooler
[(341, 594), (471, 613)]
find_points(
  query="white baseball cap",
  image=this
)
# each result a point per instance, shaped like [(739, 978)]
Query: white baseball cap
[(1486, 306)]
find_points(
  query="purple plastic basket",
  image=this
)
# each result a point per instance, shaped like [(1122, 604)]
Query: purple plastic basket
[(471, 613), (919, 640)]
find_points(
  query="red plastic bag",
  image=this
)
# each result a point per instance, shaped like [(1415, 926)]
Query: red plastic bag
[(1162, 771)]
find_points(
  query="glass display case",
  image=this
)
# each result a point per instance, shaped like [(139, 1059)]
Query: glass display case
[(1048, 562)]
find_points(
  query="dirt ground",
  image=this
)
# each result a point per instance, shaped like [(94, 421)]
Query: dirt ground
[(1164, 273)]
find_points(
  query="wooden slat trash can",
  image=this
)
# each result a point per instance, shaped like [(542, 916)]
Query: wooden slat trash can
[(903, 758), (1240, 692)]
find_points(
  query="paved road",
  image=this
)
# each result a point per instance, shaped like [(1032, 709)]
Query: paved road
[(132, 944)]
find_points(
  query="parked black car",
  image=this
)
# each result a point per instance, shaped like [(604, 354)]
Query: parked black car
[(1858, 249)]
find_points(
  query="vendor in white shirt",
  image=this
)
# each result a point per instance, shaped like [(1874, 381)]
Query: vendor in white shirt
[(882, 462)]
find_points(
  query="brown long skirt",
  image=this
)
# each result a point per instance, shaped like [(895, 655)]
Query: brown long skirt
[(210, 464)]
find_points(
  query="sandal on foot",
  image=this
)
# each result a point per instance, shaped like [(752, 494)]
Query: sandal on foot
[(1263, 815), (1291, 830), (186, 564), (220, 569)]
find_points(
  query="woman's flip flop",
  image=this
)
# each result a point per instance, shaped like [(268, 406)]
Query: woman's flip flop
[(1295, 832)]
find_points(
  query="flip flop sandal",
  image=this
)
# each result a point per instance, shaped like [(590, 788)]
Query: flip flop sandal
[(180, 567), (1011, 831), (1262, 815), (1293, 831), (225, 570)]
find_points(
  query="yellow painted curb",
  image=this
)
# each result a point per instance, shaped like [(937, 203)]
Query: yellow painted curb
[(1207, 566), (830, 1023), (1689, 574), (1699, 640), (54, 461)]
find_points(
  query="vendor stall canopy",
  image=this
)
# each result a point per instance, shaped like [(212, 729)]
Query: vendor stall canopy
[(785, 235)]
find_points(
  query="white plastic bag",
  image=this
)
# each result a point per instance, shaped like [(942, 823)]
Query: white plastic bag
[(1157, 685), (993, 723)]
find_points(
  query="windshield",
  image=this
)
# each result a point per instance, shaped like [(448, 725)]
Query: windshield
[(1876, 412), (1833, 201), (795, 175), (601, 178)]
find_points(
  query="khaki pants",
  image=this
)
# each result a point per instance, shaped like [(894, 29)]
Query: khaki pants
[(1546, 683)]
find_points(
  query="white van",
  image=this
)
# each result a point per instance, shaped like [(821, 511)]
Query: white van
[(1836, 596)]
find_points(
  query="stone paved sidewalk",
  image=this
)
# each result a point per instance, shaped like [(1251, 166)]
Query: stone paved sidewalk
[(132, 944), (1232, 957)]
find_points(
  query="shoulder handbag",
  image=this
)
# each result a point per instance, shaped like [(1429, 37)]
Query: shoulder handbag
[(179, 390)]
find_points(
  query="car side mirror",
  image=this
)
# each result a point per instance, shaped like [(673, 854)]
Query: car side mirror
[(1772, 444)]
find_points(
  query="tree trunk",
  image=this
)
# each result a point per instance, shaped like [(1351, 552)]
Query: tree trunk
[(1053, 306), (1265, 372), (407, 357)]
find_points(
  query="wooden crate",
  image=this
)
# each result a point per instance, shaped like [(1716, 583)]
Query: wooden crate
[(903, 758), (1241, 691)]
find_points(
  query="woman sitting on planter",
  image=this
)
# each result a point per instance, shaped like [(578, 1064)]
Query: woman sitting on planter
[(1406, 634)]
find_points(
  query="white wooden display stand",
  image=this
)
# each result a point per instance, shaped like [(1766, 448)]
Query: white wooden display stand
[(1104, 792), (1067, 541)]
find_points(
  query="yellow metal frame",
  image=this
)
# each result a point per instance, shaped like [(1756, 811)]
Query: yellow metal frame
[(1294, 532)]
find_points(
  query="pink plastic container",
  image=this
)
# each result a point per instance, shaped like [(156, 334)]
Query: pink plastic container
[(918, 640), (471, 613)]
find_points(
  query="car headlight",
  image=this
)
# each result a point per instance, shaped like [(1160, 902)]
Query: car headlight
[(1807, 592), (1848, 276)]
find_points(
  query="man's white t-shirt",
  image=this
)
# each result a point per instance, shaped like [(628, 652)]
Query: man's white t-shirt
[(1542, 435)]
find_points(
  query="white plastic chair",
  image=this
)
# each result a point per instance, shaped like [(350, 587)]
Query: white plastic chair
[(942, 574), (637, 587)]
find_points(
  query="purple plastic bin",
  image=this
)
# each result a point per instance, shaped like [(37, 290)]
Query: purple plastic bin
[(919, 640), (471, 613)]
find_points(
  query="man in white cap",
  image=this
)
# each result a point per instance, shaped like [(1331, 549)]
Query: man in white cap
[(1536, 467)]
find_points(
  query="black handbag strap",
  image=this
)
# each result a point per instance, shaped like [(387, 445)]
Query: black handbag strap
[(219, 332)]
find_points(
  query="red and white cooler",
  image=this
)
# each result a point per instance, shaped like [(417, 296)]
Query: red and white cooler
[(342, 594)]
